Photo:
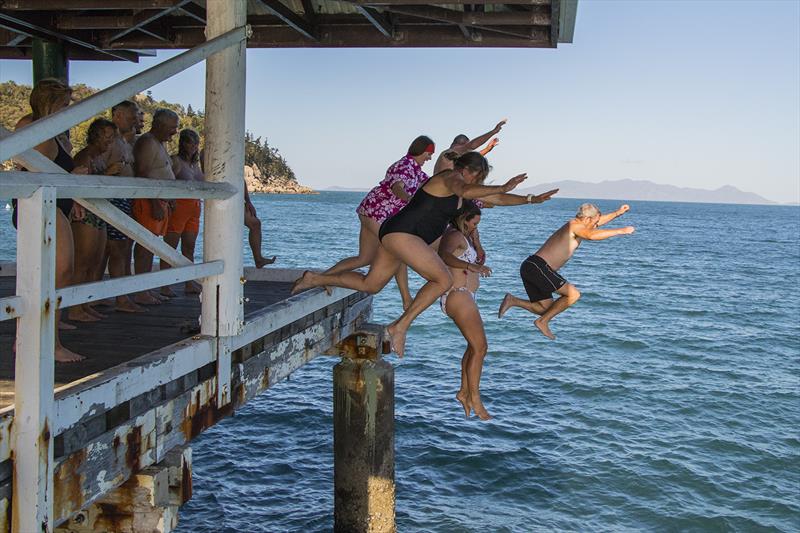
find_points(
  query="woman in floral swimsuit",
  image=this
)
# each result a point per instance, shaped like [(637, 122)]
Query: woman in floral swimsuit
[(402, 180)]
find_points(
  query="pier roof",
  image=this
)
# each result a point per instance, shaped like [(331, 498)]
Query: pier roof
[(124, 30)]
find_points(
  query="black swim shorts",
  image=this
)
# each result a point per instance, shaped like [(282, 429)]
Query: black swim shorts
[(539, 279)]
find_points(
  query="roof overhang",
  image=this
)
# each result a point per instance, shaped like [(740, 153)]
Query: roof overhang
[(125, 29)]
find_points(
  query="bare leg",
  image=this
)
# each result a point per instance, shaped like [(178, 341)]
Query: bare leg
[(85, 239), (368, 245), (510, 301), (64, 272), (117, 255), (401, 277), (188, 240), (464, 312), (143, 263), (569, 295), (413, 251), (380, 272), (254, 238), (172, 239), (463, 393)]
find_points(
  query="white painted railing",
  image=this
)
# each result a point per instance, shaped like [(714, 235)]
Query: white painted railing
[(37, 298)]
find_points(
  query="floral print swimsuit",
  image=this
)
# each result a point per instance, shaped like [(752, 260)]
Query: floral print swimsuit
[(381, 203)]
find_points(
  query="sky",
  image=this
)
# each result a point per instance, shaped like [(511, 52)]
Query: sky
[(687, 93)]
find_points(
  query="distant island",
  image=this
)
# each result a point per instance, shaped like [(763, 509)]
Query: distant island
[(628, 189)]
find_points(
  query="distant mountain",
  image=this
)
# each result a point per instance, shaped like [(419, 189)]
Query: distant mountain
[(628, 189), (344, 189)]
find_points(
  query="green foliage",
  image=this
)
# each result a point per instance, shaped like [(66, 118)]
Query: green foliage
[(14, 105)]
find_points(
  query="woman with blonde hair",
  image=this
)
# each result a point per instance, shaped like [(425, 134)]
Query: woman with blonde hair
[(47, 97)]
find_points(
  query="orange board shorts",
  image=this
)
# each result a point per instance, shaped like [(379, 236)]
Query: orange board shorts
[(143, 214), (185, 217)]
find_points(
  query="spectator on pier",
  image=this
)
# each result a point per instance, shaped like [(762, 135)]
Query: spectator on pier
[(151, 160), (463, 144), (48, 96), (184, 221), (89, 232), (402, 180), (119, 248)]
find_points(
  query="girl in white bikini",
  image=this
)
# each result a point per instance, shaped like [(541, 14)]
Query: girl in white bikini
[(457, 250)]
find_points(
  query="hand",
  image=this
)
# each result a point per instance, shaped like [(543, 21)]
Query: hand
[(511, 184), (158, 210), (83, 169), (627, 230), (500, 125), (483, 270), (539, 198), (494, 142), (113, 169), (78, 212), (623, 209)]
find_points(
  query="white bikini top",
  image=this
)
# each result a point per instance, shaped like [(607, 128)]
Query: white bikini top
[(469, 255)]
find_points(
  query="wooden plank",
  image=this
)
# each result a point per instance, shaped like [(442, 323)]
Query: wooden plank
[(41, 130), (11, 307), (377, 19), (75, 5), (32, 504), (144, 18), (290, 18), (18, 184), (99, 290)]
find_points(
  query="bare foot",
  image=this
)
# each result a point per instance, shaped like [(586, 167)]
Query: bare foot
[(168, 292), (397, 339), (158, 296), (79, 315), (192, 287), (544, 327), (261, 261), (463, 398), (62, 355), (145, 298), (66, 327), (504, 306), (126, 305), (480, 410), (94, 312), (328, 289), (303, 282)]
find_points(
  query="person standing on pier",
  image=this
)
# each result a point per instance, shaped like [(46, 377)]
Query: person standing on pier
[(184, 221), (151, 160), (539, 272), (402, 180), (411, 235)]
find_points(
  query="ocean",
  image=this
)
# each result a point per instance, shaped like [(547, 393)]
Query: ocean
[(670, 400)]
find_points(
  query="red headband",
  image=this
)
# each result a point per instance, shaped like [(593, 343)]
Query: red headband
[(430, 148)]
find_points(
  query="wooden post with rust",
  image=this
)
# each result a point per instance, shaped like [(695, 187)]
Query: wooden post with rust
[(363, 437)]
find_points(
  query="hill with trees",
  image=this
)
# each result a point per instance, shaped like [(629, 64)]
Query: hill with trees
[(268, 170)]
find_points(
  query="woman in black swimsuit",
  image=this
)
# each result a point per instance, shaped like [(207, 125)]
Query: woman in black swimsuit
[(407, 238), (47, 97)]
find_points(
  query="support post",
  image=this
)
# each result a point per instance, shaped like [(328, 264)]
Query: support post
[(50, 61), (223, 296), (363, 446), (32, 504)]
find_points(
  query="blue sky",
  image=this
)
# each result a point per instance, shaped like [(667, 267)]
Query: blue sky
[(693, 94)]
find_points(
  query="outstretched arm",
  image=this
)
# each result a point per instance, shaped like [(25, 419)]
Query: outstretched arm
[(489, 147), (470, 191), (600, 234), (605, 219), (519, 199), (479, 141)]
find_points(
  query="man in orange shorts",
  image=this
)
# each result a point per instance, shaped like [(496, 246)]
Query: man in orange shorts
[(184, 221), (151, 160)]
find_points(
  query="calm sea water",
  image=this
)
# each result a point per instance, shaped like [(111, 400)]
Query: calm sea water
[(670, 400)]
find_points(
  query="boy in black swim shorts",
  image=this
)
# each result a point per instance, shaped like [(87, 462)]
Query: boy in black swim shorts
[(539, 271)]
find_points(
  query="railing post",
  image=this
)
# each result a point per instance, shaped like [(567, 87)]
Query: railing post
[(223, 311), (32, 504)]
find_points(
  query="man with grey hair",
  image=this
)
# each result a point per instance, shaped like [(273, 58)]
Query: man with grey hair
[(539, 271), (151, 160)]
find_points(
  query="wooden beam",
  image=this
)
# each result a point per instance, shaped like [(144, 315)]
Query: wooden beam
[(459, 18), (292, 19), (378, 19), (94, 22), (11, 307), (99, 102), (457, 2), (196, 12), (22, 24), (555, 13), (146, 18), (80, 5)]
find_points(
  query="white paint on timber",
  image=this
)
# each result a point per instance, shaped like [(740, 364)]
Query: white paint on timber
[(224, 370), (46, 128), (5, 436), (18, 184), (286, 275), (287, 311), (32, 504), (11, 307), (99, 290), (223, 301), (8, 269)]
